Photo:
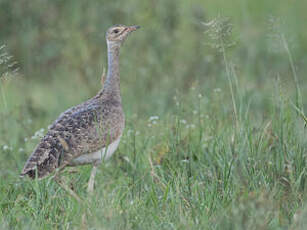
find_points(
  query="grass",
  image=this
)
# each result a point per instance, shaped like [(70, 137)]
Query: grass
[(215, 132), (190, 169)]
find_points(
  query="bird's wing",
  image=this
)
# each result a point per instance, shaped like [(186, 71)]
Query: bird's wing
[(85, 130)]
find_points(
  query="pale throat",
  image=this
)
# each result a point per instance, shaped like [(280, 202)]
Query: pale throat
[(112, 81), (113, 57)]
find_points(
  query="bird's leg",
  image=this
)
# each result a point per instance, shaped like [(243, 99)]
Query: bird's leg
[(90, 187), (66, 188)]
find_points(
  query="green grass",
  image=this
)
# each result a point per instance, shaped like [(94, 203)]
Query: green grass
[(215, 134)]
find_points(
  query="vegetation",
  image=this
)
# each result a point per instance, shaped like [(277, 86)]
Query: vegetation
[(213, 93)]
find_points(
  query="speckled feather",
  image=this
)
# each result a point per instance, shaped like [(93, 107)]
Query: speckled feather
[(82, 129)]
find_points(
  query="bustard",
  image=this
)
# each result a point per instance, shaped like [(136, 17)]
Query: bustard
[(89, 132)]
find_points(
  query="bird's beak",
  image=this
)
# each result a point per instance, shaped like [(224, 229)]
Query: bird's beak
[(133, 28)]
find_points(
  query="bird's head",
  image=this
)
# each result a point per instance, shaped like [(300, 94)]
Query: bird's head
[(117, 34)]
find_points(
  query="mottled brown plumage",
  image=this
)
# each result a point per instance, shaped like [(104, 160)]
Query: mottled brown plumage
[(88, 127)]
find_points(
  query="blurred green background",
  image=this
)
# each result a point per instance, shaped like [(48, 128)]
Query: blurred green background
[(60, 47), (61, 53)]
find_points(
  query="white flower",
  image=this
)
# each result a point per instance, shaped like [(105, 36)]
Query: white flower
[(195, 111), (217, 90), (38, 134), (183, 121), (152, 121), (5, 147), (26, 139), (153, 118), (21, 150), (200, 96), (191, 126)]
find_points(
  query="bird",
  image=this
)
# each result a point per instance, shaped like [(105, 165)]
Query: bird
[(88, 133)]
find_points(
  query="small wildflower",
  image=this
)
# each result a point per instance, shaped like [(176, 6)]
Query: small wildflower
[(21, 150), (190, 126), (137, 133), (183, 121), (38, 134), (200, 96), (217, 90), (152, 118), (26, 139), (195, 112), (5, 147)]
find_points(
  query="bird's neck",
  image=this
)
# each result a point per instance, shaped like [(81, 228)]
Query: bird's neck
[(112, 83)]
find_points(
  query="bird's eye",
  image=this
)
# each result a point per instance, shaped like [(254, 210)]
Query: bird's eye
[(116, 31)]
